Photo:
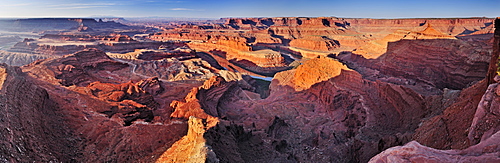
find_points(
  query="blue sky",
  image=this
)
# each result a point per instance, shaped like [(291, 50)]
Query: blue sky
[(251, 8)]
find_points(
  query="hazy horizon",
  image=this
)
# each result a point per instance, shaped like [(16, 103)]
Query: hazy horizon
[(202, 18), (384, 9)]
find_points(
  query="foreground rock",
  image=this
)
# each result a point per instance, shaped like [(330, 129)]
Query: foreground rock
[(31, 122), (449, 130), (414, 152), (483, 134)]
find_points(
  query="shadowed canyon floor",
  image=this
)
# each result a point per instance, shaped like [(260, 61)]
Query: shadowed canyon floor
[(285, 89)]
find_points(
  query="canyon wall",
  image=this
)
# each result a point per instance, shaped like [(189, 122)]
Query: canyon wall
[(30, 121), (311, 37), (472, 136)]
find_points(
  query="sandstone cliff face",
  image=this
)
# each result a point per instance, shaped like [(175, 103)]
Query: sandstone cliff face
[(486, 121), (30, 121), (233, 44), (449, 130), (464, 53), (192, 147), (261, 62), (414, 152), (470, 124), (311, 72), (479, 130), (315, 43), (427, 64), (449, 26)]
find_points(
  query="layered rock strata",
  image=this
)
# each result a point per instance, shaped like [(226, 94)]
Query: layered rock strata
[(428, 64), (473, 135), (31, 122)]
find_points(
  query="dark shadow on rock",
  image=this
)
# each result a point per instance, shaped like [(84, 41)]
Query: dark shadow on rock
[(441, 67)]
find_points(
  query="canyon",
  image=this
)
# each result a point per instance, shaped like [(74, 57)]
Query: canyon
[(281, 89)]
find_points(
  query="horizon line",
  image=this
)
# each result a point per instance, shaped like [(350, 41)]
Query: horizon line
[(229, 17)]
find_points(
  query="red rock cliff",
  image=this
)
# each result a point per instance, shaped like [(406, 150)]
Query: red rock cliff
[(470, 127), (31, 122)]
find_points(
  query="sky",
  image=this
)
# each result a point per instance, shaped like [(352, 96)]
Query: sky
[(251, 8)]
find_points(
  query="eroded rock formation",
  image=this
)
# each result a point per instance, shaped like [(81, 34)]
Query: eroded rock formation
[(414, 152), (107, 114), (192, 147), (313, 119), (437, 63), (479, 130), (470, 128), (31, 125)]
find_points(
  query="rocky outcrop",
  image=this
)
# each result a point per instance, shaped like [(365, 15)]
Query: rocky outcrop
[(485, 121), (377, 47), (311, 72), (32, 127), (129, 102), (202, 102), (456, 129), (235, 47), (323, 26), (414, 152), (262, 62), (449, 26), (3, 76), (321, 36), (493, 66), (76, 69), (89, 38), (449, 130), (239, 53), (174, 64), (192, 147)]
